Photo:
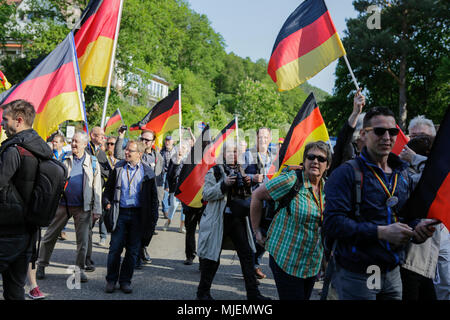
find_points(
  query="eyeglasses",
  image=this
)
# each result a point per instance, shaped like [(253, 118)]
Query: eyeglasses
[(110, 143), (381, 131), (146, 140), (313, 157)]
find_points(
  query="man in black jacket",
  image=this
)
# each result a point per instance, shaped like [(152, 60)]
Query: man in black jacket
[(17, 175), (131, 195), (94, 148)]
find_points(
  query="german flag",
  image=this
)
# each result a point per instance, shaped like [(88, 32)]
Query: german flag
[(192, 175), (162, 118), (54, 88), (307, 43), (400, 142), (95, 40), (4, 81), (114, 122), (308, 126), (431, 197)]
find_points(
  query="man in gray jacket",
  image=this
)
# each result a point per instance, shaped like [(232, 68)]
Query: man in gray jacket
[(82, 201)]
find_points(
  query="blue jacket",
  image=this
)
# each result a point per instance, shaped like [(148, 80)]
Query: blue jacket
[(358, 246)]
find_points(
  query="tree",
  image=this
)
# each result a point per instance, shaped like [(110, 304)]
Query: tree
[(395, 64)]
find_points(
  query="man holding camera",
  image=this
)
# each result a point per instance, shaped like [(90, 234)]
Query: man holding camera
[(226, 215)]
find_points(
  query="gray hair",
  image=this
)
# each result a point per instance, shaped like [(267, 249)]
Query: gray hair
[(421, 120), (83, 135)]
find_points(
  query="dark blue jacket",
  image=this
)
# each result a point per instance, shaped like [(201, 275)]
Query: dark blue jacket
[(358, 246)]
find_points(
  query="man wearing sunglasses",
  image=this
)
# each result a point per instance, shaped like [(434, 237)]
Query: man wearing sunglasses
[(371, 241), (154, 159)]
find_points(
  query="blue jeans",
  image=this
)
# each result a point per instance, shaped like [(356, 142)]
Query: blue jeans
[(290, 287), (173, 207), (354, 286), (167, 201), (128, 234)]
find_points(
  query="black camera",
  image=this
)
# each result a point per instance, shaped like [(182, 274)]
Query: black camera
[(123, 128)]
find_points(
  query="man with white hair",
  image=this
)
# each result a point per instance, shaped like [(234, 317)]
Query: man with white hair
[(421, 125), (82, 201)]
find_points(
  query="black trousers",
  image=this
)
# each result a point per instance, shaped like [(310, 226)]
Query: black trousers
[(15, 255), (416, 287), (234, 227), (191, 220)]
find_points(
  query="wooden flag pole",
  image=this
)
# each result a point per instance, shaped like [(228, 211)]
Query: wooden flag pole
[(111, 66), (351, 72)]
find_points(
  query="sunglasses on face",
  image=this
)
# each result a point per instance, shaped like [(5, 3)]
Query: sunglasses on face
[(381, 131), (312, 157), (145, 140), (110, 143)]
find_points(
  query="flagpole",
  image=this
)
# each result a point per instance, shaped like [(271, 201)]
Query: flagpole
[(111, 67), (351, 72), (179, 110)]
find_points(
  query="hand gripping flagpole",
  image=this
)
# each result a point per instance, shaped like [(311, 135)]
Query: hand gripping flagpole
[(111, 66)]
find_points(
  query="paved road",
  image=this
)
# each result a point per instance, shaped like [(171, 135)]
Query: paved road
[(166, 278)]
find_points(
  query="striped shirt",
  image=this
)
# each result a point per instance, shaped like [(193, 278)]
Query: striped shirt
[(294, 239)]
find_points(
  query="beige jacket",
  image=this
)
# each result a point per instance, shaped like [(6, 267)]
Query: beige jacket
[(92, 185)]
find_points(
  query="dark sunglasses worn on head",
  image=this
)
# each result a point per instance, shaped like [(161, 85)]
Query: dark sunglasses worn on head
[(312, 157), (381, 131)]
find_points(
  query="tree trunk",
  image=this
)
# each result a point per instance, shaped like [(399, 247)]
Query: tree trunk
[(402, 100)]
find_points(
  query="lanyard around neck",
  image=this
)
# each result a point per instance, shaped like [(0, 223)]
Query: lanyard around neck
[(318, 201), (131, 180)]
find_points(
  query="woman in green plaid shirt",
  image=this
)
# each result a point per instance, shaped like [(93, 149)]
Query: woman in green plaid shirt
[(293, 240)]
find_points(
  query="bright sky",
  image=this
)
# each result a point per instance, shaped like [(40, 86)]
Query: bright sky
[(250, 27)]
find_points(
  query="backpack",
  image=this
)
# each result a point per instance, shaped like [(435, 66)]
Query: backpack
[(284, 202), (51, 177)]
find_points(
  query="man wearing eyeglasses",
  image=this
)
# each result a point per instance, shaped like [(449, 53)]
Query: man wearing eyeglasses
[(130, 194), (370, 245), (152, 158)]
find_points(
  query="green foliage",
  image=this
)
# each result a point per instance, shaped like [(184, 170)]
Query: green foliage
[(170, 40), (414, 34)]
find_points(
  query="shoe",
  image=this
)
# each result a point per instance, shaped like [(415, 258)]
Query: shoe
[(188, 261), (126, 288), (155, 233), (259, 273), (166, 225), (138, 265), (205, 296), (36, 294), (165, 216), (182, 230), (89, 268), (110, 287), (89, 261), (259, 297), (40, 273), (62, 236), (145, 256), (83, 276), (102, 243)]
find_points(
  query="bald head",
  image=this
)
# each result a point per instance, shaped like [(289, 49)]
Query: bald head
[(97, 136)]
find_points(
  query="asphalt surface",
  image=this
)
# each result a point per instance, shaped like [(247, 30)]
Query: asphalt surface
[(166, 278)]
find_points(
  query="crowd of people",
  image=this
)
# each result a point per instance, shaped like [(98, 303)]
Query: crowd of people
[(335, 217)]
